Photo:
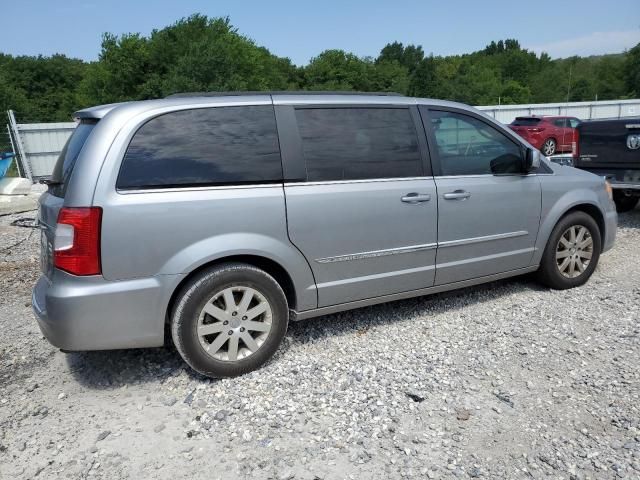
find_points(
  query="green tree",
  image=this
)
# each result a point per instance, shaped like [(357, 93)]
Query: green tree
[(338, 70), (609, 78), (631, 70), (121, 71), (409, 56), (194, 54), (390, 77), (40, 87), (514, 93), (199, 53), (424, 80)]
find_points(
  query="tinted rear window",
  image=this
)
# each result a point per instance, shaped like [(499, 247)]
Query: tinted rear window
[(358, 143), (525, 122), (209, 146), (68, 156)]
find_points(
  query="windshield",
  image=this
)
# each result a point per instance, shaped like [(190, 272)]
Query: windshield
[(68, 156)]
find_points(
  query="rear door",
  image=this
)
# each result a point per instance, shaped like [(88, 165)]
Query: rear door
[(564, 134), (489, 212), (573, 127), (363, 210)]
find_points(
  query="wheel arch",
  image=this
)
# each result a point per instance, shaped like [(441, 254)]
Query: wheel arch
[(594, 212), (560, 210), (270, 266)]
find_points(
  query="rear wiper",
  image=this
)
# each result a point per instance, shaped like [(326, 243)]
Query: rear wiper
[(49, 182)]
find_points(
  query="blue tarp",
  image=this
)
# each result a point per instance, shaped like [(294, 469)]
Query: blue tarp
[(5, 161)]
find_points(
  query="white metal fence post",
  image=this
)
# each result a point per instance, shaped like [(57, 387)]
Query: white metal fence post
[(13, 149), (23, 158)]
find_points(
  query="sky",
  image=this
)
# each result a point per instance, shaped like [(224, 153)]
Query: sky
[(301, 30)]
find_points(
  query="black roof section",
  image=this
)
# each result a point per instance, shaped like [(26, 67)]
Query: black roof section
[(283, 92)]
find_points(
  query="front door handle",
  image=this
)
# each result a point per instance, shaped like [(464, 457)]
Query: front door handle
[(456, 195), (415, 198)]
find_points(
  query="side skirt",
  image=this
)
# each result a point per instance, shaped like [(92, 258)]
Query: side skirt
[(296, 316)]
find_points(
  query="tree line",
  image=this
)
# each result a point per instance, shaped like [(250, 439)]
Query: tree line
[(208, 54)]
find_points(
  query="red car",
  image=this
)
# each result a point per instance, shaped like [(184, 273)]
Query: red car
[(550, 135)]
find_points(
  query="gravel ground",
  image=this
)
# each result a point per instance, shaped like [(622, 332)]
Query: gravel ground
[(506, 380)]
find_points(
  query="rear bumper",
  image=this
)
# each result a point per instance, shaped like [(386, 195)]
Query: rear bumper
[(90, 313)]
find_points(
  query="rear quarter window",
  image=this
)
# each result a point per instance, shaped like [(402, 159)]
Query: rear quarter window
[(67, 159), (208, 146)]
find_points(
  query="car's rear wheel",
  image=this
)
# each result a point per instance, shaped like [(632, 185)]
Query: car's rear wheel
[(624, 203), (229, 320), (572, 252), (548, 147)]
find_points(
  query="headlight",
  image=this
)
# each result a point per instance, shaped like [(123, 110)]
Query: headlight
[(607, 187)]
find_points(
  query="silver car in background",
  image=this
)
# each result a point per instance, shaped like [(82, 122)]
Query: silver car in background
[(226, 216)]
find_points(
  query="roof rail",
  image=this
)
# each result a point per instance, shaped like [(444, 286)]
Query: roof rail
[(283, 92)]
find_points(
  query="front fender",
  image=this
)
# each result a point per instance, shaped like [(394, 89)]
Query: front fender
[(556, 203)]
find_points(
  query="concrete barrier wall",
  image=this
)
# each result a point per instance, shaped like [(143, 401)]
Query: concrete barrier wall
[(42, 144), (582, 110)]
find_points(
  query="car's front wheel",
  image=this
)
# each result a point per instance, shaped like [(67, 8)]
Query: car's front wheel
[(229, 320), (572, 252)]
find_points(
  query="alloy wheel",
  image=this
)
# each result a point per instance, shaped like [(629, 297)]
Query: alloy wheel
[(234, 323), (549, 147), (574, 251)]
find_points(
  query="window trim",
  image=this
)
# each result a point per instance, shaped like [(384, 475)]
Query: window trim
[(425, 111), (292, 153), (198, 188), (362, 180), (208, 185)]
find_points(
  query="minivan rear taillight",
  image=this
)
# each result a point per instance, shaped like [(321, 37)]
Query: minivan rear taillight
[(76, 247)]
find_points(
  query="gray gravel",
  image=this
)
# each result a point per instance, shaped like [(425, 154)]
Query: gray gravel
[(506, 380)]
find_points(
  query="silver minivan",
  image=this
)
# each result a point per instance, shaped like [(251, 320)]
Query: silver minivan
[(226, 216)]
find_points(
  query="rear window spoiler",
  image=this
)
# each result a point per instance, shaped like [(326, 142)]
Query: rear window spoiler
[(96, 112)]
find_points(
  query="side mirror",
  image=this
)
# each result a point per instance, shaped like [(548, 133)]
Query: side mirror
[(532, 160), (507, 164)]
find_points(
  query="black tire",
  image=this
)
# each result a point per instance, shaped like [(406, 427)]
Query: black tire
[(549, 272), (199, 291), (624, 203), (551, 150)]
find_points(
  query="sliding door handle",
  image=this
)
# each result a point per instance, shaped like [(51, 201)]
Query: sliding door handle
[(456, 195), (415, 198)]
